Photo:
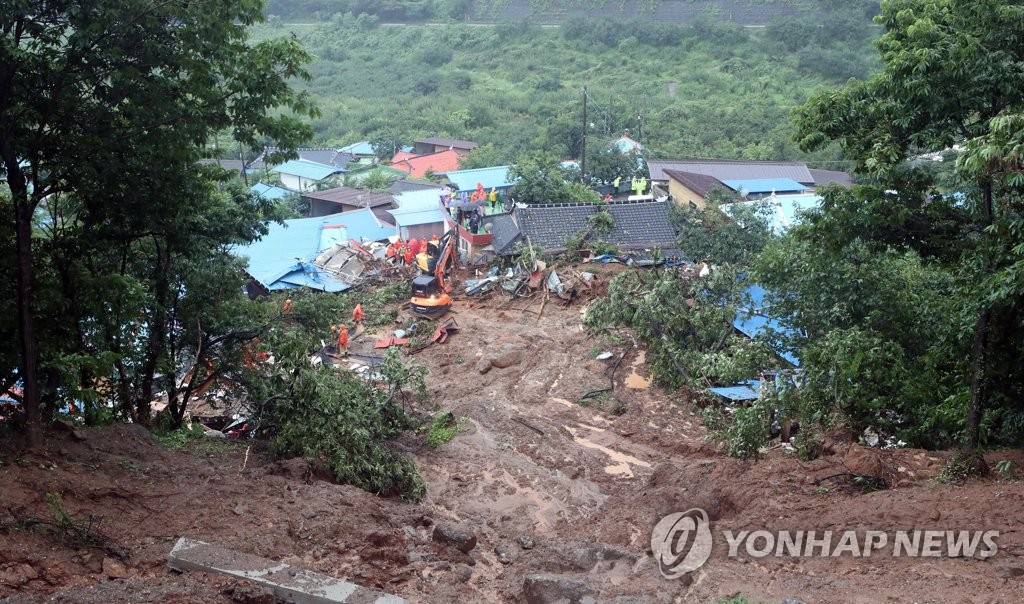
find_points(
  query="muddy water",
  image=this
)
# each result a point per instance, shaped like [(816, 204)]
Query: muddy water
[(634, 380), (622, 464)]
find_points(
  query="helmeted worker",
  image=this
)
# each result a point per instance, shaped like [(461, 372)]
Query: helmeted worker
[(390, 253), (357, 314), (409, 256)]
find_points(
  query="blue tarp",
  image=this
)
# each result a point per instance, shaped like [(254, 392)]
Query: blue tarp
[(744, 391), (754, 321)]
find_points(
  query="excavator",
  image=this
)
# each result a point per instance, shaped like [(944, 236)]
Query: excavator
[(429, 289)]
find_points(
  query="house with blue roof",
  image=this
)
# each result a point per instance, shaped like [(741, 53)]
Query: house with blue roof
[(420, 215), (491, 178), (292, 253), (270, 192), (304, 175), (358, 150), (759, 188)]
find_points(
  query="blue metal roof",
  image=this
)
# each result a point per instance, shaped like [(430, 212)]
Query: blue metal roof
[(755, 321), (283, 258), (360, 148), (304, 168), (745, 391), (270, 192), (421, 199), (363, 225), (765, 185), (490, 178)]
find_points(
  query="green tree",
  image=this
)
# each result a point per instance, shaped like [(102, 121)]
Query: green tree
[(540, 178), (101, 97), (953, 72), (709, 235)]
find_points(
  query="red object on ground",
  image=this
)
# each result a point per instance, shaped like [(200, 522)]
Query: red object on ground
[(392, 341)]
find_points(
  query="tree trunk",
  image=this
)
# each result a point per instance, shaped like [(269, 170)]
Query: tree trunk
[(976, 405), (26, 333), (972, 424)]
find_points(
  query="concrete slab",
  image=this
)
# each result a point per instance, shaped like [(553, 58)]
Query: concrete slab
[(297, 585)]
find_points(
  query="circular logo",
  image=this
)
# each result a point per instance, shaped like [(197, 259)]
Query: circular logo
[(681, 542)]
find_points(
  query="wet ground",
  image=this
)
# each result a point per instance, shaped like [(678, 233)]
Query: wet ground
[(546, 484)]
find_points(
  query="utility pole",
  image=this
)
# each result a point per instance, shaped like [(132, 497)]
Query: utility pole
[(583, 154)]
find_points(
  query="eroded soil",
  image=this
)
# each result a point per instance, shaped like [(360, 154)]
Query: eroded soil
[(547, 484)]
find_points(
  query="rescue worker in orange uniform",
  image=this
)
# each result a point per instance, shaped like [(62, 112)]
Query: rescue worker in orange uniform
[(287, 308), (342, 332), (390, 253), (409, 256), (357, 314)]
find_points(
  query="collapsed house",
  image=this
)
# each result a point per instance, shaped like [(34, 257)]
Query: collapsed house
[(325, 253)]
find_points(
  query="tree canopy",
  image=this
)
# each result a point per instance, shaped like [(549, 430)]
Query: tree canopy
[(105, 112), (953, 75)]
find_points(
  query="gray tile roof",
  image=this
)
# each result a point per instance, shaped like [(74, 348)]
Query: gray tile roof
[(506, 233), (638, 225), (725, 169), (440, 141), (352, 197)]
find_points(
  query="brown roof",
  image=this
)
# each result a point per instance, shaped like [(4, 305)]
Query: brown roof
[(698, 183), (728, 169), (351, 196), (448, 142)]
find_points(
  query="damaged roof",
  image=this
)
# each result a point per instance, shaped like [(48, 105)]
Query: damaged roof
[(638, 224), (505, 231), (283, 258)]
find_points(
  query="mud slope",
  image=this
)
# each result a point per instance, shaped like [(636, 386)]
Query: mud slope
[(546, 485)]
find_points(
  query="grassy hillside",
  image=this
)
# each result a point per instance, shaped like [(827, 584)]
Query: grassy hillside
[(710, 89)]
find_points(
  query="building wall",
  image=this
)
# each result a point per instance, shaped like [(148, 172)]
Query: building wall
[(297, 183), (683, 195), (422, 231)]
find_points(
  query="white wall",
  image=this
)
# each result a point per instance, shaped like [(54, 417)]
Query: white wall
[(297, 183)]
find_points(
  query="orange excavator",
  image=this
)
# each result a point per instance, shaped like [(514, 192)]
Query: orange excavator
[(430, 292)]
